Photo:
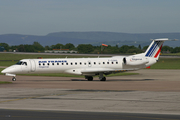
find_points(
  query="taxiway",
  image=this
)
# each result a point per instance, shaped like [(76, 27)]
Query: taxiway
[(150, 92)]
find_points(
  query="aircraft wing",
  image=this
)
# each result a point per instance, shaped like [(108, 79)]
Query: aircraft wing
[(103, 70)]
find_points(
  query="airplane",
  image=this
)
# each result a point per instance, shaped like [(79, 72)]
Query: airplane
[(89, 67)]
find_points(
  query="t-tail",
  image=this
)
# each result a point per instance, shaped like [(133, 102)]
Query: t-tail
[(148, 58), (154, 49)]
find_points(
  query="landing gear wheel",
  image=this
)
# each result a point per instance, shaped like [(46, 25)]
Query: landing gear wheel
[(103, 79), (90, 78), (13, 79)]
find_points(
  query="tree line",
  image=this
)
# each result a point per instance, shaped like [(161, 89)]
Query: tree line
[(84, 48)]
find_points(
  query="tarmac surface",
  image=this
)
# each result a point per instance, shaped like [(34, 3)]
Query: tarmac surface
[(71, 115), (150, 93)]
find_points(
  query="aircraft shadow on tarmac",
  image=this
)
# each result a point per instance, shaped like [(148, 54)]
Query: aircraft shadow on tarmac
[(109, 80), (116, 80)]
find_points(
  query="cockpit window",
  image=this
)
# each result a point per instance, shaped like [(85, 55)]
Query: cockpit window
[(21, 63)]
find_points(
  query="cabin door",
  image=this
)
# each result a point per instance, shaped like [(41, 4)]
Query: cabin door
[(33, 65)]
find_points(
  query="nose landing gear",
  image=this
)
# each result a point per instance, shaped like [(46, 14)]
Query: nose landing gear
[(13, 79)]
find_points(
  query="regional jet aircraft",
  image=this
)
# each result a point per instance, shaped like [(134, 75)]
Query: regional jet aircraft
[(89, 67)]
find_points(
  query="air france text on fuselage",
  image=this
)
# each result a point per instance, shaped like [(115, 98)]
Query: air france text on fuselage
[(58, 61)]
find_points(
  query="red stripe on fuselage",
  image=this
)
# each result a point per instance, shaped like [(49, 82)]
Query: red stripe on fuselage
[(158, 52)]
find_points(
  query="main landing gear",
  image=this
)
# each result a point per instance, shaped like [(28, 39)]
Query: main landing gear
[(13, 79), (101, 77), (89, 78)]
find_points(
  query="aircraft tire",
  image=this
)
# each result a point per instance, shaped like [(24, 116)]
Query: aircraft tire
[(103, 79), (13, 79), (90, 78)]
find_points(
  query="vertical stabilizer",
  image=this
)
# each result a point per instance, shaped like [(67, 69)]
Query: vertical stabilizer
[(155, 48)]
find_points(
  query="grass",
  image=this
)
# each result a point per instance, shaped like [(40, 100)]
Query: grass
[(12, 56), (167, 63), (1, 70), (176, 54), (8, 63), (4, 82)]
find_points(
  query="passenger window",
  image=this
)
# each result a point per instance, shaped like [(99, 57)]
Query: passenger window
[(66, 63), (80, 63), (103, 62), (62, 63), (112, 63), (43, 64), (57, 63), (71, 63), (52, 63), (39, 63), (94, 63), (84, 63), (48, 64), (75, 63), (116, 62)]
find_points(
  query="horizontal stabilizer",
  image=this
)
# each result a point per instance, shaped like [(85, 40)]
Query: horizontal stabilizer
[(164, 39)]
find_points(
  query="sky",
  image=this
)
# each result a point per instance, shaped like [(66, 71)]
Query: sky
[(40, 17)]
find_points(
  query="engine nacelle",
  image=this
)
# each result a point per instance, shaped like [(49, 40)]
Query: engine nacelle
[(135, 61)]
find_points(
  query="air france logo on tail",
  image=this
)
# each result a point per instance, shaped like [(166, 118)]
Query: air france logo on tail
[(155, 49)]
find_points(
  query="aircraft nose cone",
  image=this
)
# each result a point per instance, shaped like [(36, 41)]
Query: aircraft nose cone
[(10, 69), (4, 71)]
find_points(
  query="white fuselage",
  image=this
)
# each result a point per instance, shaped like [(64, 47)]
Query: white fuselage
[(78, 66)]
